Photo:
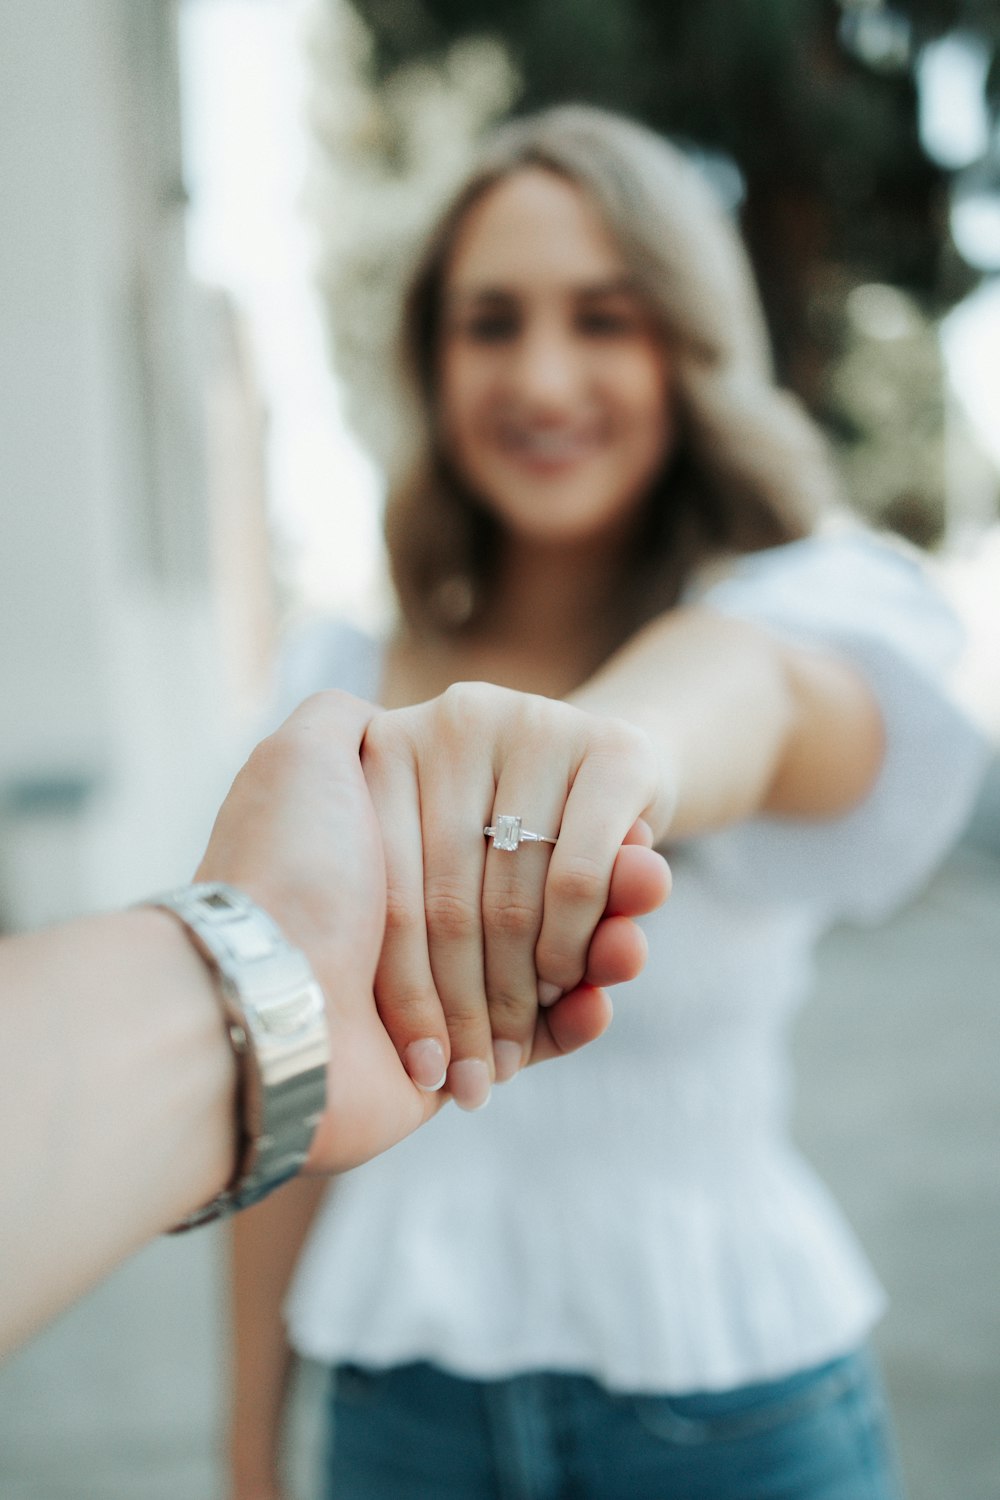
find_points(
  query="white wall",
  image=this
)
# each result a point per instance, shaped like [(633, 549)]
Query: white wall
[(113, 721)]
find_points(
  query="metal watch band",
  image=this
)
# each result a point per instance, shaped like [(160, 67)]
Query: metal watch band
[(276, 1022)]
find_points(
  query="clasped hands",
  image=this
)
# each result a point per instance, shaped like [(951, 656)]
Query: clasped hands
[(447, 964)]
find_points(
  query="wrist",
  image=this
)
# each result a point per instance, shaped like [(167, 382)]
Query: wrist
[(192, 1149)]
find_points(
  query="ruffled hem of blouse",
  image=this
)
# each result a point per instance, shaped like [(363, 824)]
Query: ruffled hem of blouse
[(648, 1293)]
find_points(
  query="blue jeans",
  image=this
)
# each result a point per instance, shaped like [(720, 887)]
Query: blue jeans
[(416, 1433)]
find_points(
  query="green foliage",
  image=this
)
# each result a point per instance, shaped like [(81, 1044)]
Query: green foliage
[(769, 82), (814, 100)]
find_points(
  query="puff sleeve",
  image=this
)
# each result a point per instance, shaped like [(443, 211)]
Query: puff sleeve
[(874, 606)]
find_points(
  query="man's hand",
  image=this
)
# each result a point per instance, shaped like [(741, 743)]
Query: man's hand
[(298, 834)]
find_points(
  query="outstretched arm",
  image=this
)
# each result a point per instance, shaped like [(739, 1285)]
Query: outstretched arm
[(699, 721), (740, 722), (116, 1088), (116, 1078)]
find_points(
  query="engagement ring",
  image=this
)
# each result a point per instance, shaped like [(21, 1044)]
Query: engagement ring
[(508, 833)]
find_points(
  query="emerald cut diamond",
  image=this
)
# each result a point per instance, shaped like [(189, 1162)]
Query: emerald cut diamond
[(508, 832)]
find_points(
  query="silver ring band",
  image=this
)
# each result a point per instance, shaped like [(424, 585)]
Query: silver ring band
[(508, 832)]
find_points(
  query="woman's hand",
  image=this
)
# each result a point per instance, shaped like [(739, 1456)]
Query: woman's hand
[(477, 937)]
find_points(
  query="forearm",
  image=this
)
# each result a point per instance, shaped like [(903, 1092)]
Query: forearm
[(118, 1080), (741, 723), (265, 1243)]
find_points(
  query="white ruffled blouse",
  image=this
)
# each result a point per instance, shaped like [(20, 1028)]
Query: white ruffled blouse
[(637, 1212)]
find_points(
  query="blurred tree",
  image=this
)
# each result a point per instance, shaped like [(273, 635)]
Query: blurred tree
[(817, 104)]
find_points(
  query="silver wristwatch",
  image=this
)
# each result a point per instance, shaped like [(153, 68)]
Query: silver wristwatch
[(276, 1021)]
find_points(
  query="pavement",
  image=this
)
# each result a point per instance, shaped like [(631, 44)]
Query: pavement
[(899, 1106)]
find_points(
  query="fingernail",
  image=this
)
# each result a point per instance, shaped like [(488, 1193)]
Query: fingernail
[(424, 1061), (469, 1082), (548, 994), (506, 1059)]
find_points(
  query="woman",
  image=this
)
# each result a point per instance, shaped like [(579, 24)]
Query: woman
[(627, 1284)]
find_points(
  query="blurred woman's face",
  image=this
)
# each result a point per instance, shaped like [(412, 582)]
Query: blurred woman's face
[(555, 387)]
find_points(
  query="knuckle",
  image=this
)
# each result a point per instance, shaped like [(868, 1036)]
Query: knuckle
[(465, 701), (546, 722), (466, 1018), (512, 1008), (509, 918), (407, 1008), (404, 914), (626, 744), (468, 1028), (450, 914), (578, 881)]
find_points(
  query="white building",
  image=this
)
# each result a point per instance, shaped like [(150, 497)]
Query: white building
[(135, 599)]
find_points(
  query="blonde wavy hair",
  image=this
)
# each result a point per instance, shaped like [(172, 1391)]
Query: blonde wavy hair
[(749, 469)]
